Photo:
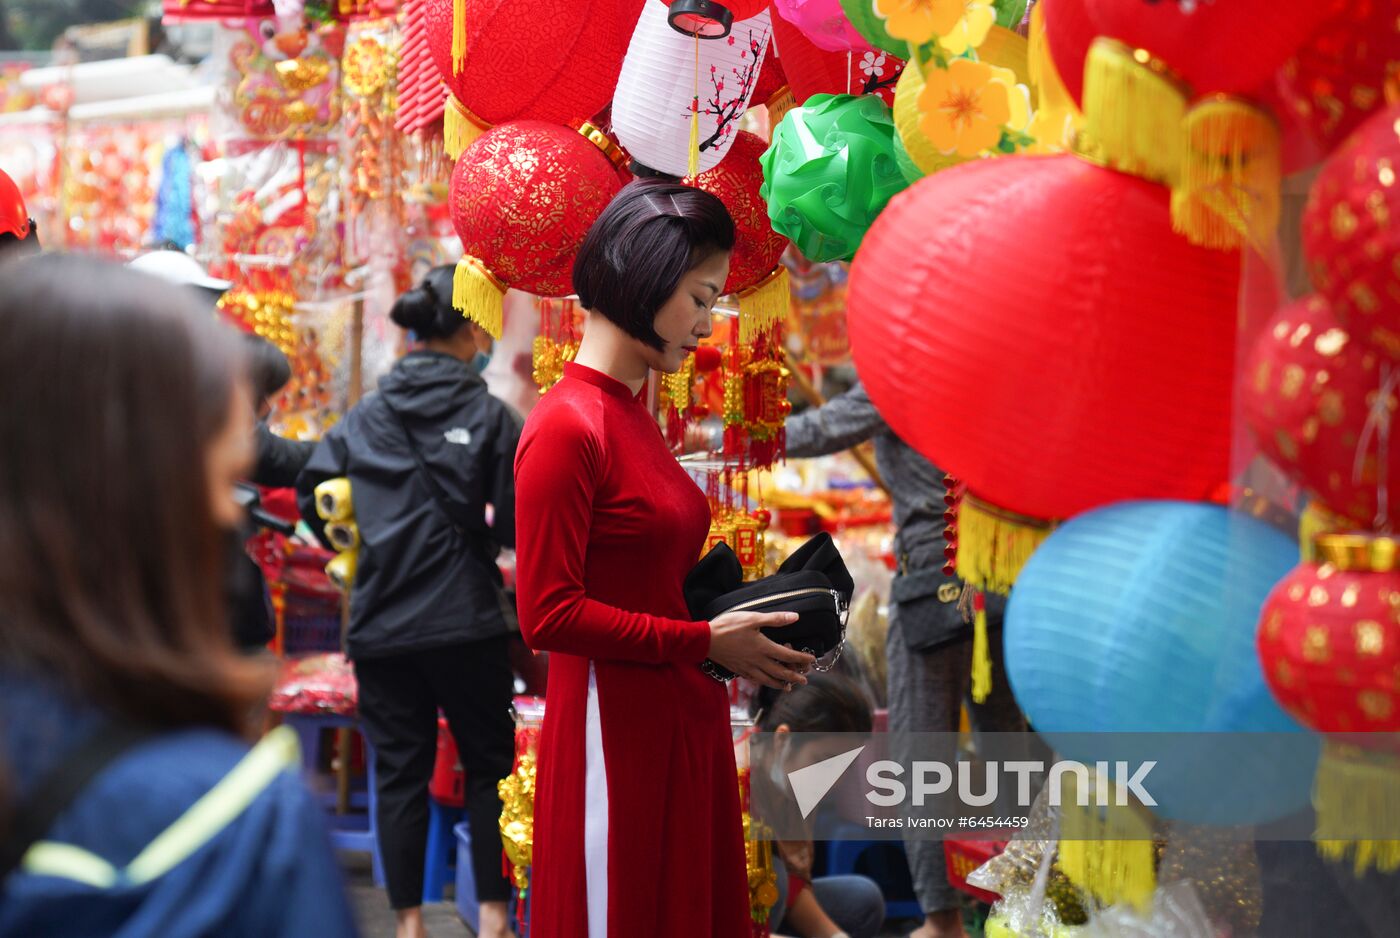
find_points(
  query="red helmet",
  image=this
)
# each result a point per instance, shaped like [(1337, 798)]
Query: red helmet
[(14, 217)]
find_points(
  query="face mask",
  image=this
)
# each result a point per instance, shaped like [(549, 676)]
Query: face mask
[(480, 360)]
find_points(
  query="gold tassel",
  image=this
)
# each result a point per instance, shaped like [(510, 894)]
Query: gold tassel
[(479, 295), (764, 305), (1357, 790), (1227, 193), (341, 569), (693, 163), (1107, 851), (981, 651), (460, 127), (1133, 109), (994, 544), (1316, 519), (459, 36)]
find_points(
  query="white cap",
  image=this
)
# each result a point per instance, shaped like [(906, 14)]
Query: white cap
[(178, 268)]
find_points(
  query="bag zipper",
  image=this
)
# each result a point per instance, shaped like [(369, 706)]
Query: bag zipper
[(791, 594)]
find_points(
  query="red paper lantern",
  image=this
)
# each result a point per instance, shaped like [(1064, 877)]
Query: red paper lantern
[(710, 19), (1329, 638), (811, 70), (551, 60), (1229, 46), (1351, 232), (523, 197), (1034, 327), (736, 181), (1338, 77), (1318, 404)]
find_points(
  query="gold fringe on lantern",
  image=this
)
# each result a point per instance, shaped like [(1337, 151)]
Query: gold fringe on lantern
[(1227, 193), (981, 653), (1107, 851), (1058, 118), (459, 36), (764, 305), (1357, 790), (1133, 109), (994, 544), (460, 127), (479, 295)]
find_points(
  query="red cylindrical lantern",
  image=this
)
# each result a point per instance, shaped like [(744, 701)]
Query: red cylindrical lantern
[(1232, 46), (1034, 327), (523, 197), (1329, 637), (1351, 232), (550, 60), (1329, 647), (811, 70), (1339, 76), (736, 181), (756, 273), (1320, 405)]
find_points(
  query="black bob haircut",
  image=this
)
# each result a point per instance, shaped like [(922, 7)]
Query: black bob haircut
[(633, 258), (427, 308), (268, 368)]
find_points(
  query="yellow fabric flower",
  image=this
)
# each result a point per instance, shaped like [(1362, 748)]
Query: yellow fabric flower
[(963, 109), (975, 19), (919, 21), (1018, 97)]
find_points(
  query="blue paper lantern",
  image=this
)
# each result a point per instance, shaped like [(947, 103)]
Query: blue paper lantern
[(1140, 618)]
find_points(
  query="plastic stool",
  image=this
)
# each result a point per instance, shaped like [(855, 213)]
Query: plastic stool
[(467, 907), (843, 855), (355, 831), (439, 866)]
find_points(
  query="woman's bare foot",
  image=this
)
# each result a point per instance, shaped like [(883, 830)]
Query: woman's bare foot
[(495, 921), (944, 924)]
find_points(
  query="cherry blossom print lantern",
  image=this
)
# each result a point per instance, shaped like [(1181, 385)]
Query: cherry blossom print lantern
[(679, 101)]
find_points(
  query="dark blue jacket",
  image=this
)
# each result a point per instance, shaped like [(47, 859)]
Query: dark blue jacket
[(418, 583), (130, 859)]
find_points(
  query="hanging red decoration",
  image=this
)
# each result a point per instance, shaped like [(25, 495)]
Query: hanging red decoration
[(1229, 47), (523, 197), (1351, 232), (1076, 348), (1320, 405), (710, 19), (755, 271), (811, 70), (1340, 75), (550, 60), (1329, 637)]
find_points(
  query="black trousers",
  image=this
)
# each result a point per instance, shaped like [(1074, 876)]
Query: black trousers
[(399, 699)]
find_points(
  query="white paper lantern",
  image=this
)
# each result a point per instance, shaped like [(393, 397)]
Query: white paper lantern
[(651, 112)]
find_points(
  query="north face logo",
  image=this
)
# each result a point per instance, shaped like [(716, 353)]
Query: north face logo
[(459, 435)]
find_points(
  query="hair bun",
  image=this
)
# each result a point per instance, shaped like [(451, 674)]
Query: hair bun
[(415, 310)]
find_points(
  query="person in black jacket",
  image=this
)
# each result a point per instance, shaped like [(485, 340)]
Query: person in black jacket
[(425, 456)]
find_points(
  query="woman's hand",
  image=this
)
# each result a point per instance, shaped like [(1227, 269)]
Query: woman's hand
[(737, 643)]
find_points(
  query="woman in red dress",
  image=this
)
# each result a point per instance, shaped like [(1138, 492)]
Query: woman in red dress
[(637, 825)]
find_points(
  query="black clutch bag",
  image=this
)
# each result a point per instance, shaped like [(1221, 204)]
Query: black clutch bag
[(813, 582)]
